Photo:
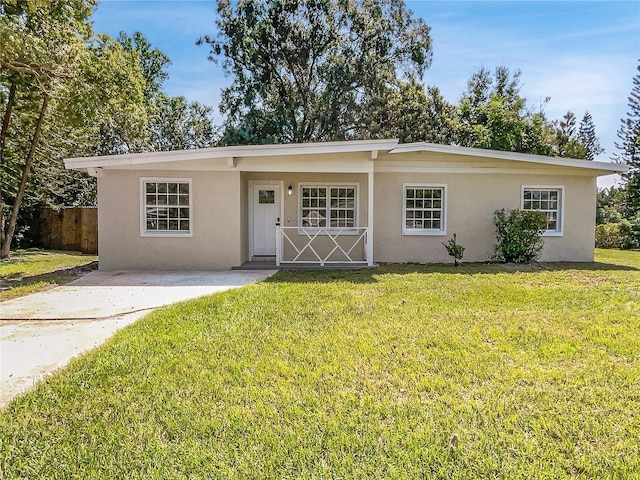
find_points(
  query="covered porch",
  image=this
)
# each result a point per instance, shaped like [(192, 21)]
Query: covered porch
[(309, 219)]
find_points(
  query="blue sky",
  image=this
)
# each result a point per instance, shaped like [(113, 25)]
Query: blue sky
[(582, 54)]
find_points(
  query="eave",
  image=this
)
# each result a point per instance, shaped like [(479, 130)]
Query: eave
[(604, 167), (229, 153), (324, 157)]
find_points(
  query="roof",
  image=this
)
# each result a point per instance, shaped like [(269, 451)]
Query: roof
[(230, 152), (390, 146), (502, 155)]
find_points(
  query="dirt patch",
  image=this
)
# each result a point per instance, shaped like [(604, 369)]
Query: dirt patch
[(58, 277)]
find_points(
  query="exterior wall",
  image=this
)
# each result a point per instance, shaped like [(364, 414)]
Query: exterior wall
[(216, 241), (221, 221), (471, 202)]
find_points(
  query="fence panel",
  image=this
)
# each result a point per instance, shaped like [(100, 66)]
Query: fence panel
[(69, 229)]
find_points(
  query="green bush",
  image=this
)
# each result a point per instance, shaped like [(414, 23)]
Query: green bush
[(623, 234), (630, 232), (454, 249), (609, 235), (519, 235)]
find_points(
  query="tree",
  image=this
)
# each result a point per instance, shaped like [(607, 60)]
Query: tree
[(412, 114), (588, 139), (177, 124), (173, 123), (610, 204), (421, 116), (567, 142), (576, 142), (492, 114), (440, 118), (152, 62), (313, 70), (58, 80), (629, 147)]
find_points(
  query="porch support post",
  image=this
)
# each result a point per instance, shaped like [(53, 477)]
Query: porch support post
[(278, 244), (369, 244)]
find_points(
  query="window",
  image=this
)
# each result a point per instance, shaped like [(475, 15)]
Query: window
[(166, 207), (423, 211), (267, 196), (549, 201), (332, 206)]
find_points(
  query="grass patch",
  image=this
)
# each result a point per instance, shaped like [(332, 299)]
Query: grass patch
[(28, 271), (406, 371)]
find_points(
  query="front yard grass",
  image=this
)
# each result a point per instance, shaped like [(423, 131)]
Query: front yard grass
[(405, 371), (32, 270)]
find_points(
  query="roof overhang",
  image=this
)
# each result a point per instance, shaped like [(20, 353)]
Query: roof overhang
[(252, 155), (605, 167), (229, 153)]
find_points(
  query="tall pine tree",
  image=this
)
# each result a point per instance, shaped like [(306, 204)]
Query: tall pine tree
[(587, 137), (629, 147)]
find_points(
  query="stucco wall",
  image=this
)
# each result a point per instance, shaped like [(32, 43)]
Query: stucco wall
[(471, 202), (216, 241), (221, 221)]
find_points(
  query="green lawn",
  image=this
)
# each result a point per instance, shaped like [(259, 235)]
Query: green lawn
[(483, 371), (28, 271)]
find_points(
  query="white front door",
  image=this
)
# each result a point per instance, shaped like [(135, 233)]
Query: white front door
[(266, 213)]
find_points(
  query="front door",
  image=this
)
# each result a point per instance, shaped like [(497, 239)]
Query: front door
[(266, 213)]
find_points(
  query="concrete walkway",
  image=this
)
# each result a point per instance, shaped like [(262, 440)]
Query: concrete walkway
[(40, 333)]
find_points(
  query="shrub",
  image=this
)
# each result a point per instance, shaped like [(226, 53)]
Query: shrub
[(454, 249), (609, 235), (630, 233), (623, 234), (519, 235)]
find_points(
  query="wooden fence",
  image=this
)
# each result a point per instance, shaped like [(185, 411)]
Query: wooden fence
[(69, 229)]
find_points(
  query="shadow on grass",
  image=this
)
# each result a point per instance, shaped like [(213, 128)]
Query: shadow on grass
[(369, 275)]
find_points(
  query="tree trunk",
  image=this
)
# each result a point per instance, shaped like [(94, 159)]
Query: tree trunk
[(13, 218), (3, 137), (6, 118)]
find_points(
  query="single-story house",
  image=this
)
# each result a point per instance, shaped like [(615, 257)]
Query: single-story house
[(355, 202)]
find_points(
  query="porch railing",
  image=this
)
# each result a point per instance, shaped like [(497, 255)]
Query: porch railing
[(321, 246)]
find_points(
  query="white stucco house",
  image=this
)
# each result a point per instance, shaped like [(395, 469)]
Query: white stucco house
[(355, 202)]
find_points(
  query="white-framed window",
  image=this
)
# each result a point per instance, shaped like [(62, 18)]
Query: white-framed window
[(166, 207), (424, 209), (329, 206), (549, 199)]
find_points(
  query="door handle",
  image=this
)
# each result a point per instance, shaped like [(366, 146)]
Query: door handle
[(278, 222)]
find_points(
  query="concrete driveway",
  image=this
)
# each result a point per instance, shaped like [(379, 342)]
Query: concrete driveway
[(40, 333)]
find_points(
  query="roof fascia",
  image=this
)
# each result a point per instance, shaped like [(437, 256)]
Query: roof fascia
[(520, 157), (227, 152)]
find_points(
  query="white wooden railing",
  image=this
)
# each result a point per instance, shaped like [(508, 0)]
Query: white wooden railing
[(321, 246)]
